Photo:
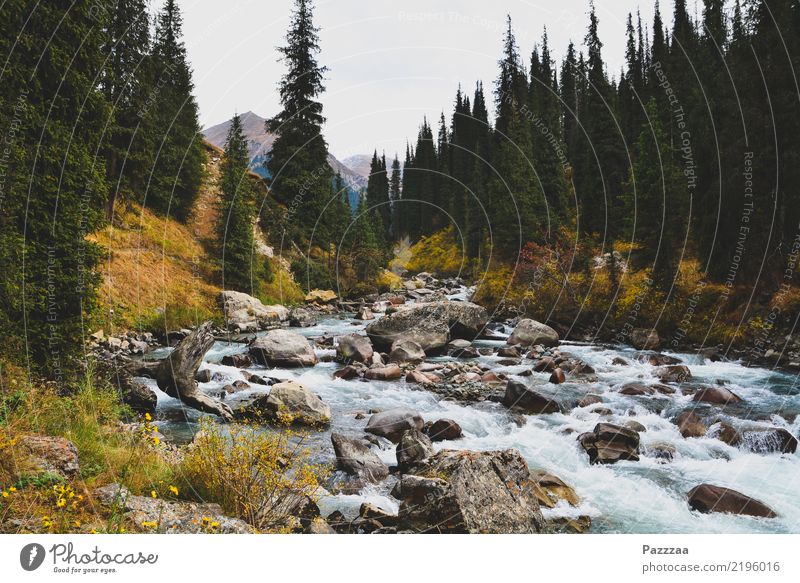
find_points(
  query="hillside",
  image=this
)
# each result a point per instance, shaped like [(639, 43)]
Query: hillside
[(159, 271)]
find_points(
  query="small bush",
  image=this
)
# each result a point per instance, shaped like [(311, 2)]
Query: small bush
[(440, 254), (252, 474)]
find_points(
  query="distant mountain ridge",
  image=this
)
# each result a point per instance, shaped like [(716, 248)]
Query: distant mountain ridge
[(259, 145)]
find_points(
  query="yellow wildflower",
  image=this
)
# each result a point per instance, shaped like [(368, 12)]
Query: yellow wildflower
[(5, 494), (153, 494), (147, 417)]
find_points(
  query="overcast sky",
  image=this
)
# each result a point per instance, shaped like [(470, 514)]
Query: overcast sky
[(391, 62)]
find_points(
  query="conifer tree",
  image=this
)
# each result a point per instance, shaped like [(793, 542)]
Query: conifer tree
[(126, 83), (395, 191), (298, 163), (178, 166), (53, 182), (237, 215)]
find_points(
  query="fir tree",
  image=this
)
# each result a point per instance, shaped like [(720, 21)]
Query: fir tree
[(172, 110), (237, 215), (298, 162)]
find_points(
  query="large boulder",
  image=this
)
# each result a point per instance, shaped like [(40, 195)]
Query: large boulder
[(354, 348), (645, 339), (710, 498), (406, 352), (356, 458), (291, 402), (414, 448), (717, 396), (241, 311), (530, 332), (302, 318), (608, 444), (430, 324), (54, 455), (283, 348), (471, 492), (392, 423), (519, 396)]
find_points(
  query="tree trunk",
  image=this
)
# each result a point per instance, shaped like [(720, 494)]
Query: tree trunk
[(175, 374)]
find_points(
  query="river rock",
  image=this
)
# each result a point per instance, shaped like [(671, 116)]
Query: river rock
[(645, 339), (690, 425), (430, 324), (545, 364), (392, 423), (774, 440), (169, 517), (725, 433), (364, 313), (509, 352), (635, 426), (354, 348), (676, 373), (203, 375), (608, 444), (551, 489), (662, 452), (50, 454), (322, 297), (347, 373), (636, 389), (557, 377), (302, 318), (710, 498), (390, 372), (415, 376), (241, 309), (443, 430), (135, 394), (288, 401), (716, 395), (414, 448), (590, 400), (355, 457), (406, 352), (529, 332), (241, 360), (657, 359), (519, 396), (471, 492), (283, 349)]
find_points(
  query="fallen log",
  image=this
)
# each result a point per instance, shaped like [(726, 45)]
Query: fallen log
[(175, 374)]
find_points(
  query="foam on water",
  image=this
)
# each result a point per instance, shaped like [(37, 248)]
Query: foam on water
[(645, 496)]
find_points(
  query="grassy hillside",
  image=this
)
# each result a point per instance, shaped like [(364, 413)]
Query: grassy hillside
[(161, 273)]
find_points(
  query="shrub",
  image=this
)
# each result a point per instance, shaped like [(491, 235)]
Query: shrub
[(252, 474)]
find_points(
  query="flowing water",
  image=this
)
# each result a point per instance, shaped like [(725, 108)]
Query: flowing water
[(641, 497)]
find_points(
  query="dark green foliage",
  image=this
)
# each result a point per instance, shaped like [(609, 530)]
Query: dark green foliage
[(53, 184), (298, 163), (241, 268), (171, 113)]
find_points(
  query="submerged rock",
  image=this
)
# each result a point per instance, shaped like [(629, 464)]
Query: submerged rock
[(530, 332), (284, 349), (676, 373), (608, 444), (550, 490), (471, 492), (710, 498)]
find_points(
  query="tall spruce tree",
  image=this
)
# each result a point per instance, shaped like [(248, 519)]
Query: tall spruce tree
[(237, 215), (395, 192), (298, 162), (126, 83), (53, 181), (173, 118)]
